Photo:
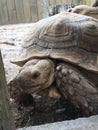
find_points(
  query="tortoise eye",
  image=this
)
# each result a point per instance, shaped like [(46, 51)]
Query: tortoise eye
[(35, 75)]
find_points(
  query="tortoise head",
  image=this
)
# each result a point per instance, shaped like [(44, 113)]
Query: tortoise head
[(34, 76)]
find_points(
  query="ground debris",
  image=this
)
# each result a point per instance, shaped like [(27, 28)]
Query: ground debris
[(43, 110)]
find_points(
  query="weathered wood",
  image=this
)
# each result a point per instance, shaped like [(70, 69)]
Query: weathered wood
[(43, 10), (64, 1), (59, 1), (52, 2), (1, 19), (6, 121), (26, 9), (4, 11), (11, 11), (19, 10), (33, 10)]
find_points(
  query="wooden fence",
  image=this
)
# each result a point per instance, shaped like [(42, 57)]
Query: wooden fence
[(20, 11), (76, 2)]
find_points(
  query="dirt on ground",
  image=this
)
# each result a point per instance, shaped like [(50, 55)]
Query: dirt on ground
[(36, 110)]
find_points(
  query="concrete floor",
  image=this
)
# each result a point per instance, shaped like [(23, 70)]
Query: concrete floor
[(10, 41), (90, 123)]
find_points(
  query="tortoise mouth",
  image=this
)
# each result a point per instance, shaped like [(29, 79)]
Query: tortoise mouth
[(34, 89), (30, 89)]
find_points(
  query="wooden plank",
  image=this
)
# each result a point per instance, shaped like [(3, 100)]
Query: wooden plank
[(4, 12), (75, 2), (6, 119), (20, 11), (42, 8), (1, 14), (89, 2), (26, 7), (1, 18), (33, 11), (84, 2), (58, 1), (49, 2), (45, 8), (52, 2), (68, 1), (64, 1), (12, 11)]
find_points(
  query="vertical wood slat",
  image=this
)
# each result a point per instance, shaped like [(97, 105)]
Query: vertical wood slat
[(4, 11), (1, 18), (39, 5), (11, 11), (26, 9), (52, 2), (42, 6), (75, 2), (19, 10), (64, 1), (89, 2), (6, 119), (58, 1), (33, 10)]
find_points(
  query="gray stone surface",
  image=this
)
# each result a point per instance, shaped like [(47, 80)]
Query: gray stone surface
[(10, 40), (90, 123)]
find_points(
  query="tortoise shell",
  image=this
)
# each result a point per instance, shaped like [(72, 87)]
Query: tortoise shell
[(66, 36)]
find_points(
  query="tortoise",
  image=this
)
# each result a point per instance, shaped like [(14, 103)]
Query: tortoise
[(59, 59), (86, 10)]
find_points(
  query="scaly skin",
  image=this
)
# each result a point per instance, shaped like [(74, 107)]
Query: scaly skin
[(77, 89), (44, 77), (33, 77)]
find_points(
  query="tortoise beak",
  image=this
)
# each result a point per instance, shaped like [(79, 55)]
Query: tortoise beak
[(23, 87)]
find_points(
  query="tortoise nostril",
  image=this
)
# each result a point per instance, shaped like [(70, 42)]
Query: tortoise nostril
[(35, 75)]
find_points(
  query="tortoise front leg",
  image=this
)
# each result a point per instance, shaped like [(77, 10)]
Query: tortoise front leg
[(77, 89)]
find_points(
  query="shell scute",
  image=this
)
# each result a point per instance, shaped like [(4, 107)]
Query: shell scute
[(66, 36)]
